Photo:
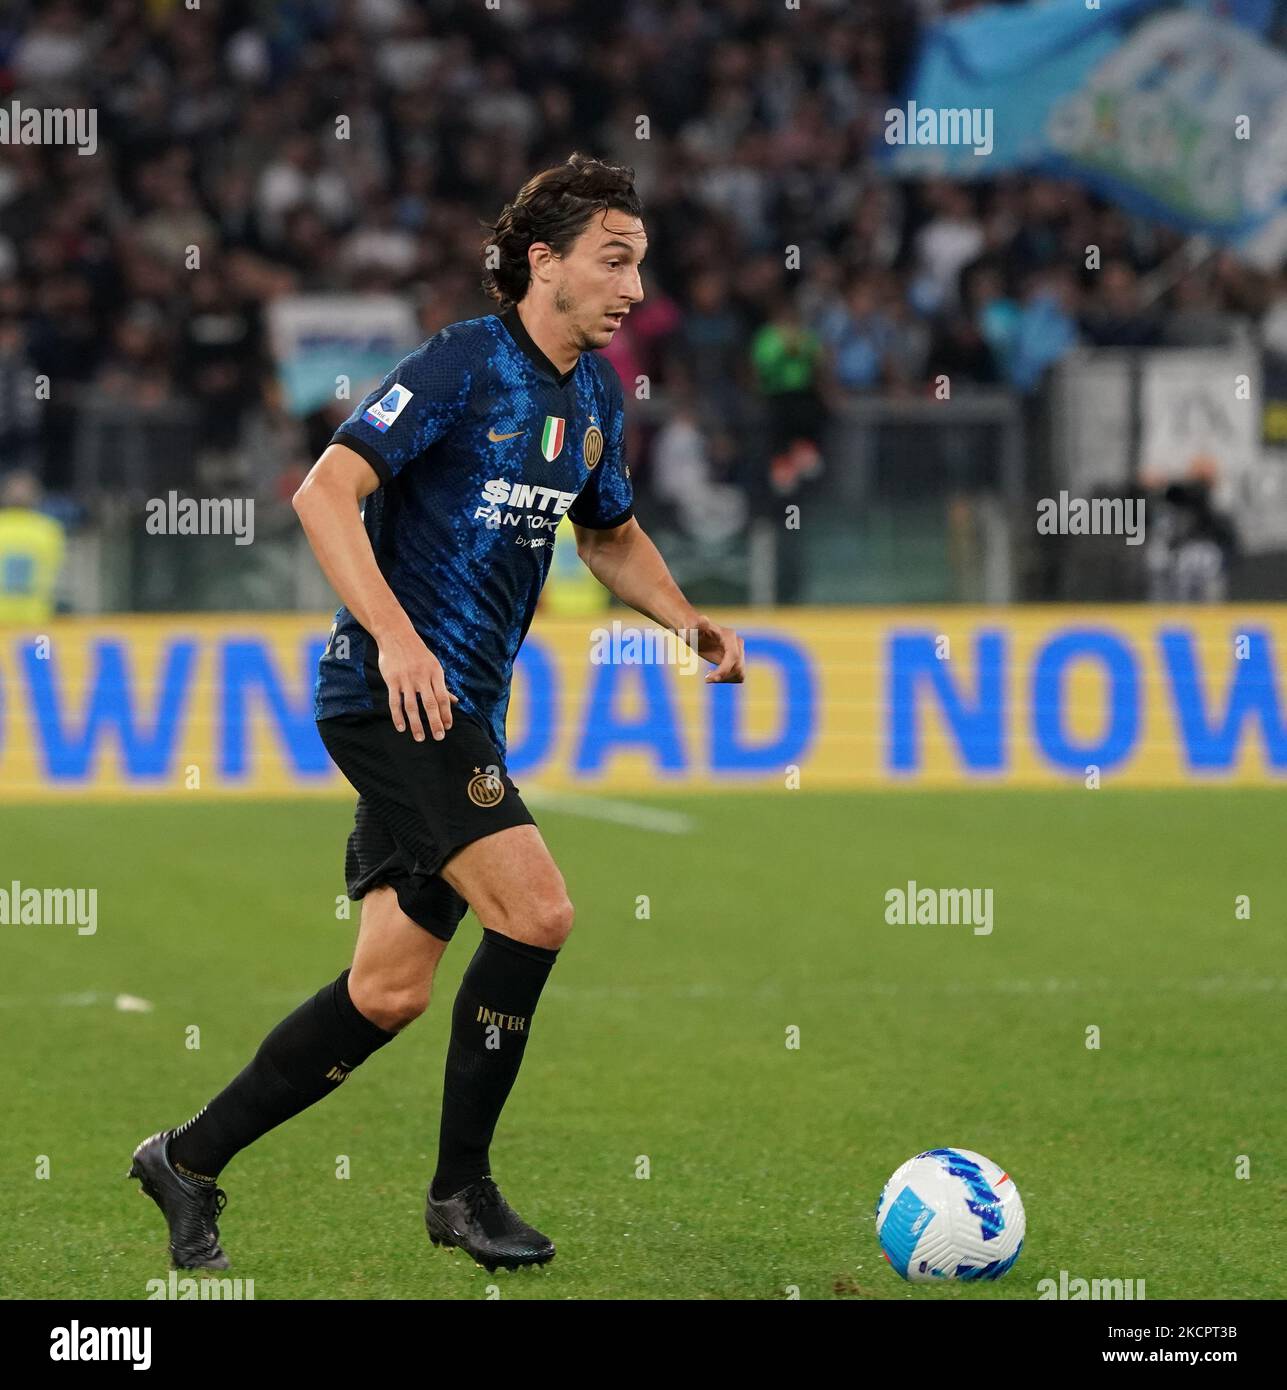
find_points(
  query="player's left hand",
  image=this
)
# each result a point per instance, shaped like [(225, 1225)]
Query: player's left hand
[(724, 648)]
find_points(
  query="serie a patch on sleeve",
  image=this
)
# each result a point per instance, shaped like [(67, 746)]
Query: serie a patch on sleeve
[(384, 412)]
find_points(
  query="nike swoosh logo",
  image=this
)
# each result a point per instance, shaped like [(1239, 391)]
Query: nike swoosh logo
[(496, 438)]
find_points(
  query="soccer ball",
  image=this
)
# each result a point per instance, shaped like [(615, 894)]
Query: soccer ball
[(950, 1214)]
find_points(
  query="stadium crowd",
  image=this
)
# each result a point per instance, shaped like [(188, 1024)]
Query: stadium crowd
[(218, 129)]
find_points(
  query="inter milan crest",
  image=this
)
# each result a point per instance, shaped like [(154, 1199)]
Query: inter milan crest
[(552, 437), (592, 446), (485, 789)]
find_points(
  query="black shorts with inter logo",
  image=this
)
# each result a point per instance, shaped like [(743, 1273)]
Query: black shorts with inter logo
[(418, 803)]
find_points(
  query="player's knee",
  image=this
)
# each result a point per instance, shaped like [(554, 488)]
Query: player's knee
[(389, 1004), (551, 921)]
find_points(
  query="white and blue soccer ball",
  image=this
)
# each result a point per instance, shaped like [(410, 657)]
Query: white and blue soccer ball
[(950, 1214)]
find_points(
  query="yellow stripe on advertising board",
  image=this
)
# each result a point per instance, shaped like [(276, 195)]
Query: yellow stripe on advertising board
[(835, 697)]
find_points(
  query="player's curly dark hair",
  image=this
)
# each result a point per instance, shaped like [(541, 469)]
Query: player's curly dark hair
[(554, 206)]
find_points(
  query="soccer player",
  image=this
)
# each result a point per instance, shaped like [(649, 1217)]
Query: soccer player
[(433, 513)]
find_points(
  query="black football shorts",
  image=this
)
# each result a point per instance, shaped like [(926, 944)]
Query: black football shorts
[(418, 803)]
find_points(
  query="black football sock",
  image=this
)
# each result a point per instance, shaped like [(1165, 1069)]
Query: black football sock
[(304, 1058), (490, 1022)]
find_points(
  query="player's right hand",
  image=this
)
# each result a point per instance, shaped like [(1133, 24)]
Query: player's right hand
[(413, 674)]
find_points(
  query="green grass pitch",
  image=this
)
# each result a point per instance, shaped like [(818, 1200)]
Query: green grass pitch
[(666, 1038)]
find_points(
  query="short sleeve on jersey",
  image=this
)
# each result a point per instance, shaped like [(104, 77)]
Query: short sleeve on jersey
[(607, 499), (412, 408)]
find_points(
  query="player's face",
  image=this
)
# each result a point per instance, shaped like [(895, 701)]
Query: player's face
[(599, 281)]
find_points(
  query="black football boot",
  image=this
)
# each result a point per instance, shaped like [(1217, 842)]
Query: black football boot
[(479, 1221), (191, 1208)]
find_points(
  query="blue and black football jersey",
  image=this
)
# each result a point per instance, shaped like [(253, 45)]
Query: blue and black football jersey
[(481, 445)]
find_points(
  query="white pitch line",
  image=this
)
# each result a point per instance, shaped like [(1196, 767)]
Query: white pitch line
[(631, 813)]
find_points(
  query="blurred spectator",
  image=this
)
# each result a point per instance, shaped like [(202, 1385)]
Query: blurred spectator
[(962, 349), (994, 313), (216, 358), (379, 245), (55, 49), (1116, 315), (859, 337), (907, 364), (638, 348), (141, 370), (1190, 546), (682, 475), (297, 178), (951, 239), (787, 358), (1196, 317), (711, 346), (20, 407), (1046, 328), (31, 552)]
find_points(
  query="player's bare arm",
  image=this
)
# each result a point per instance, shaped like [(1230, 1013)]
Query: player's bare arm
[(328, 506), (626, 562)]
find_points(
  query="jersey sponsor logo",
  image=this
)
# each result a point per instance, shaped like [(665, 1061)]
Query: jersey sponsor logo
[(384, 412), (524, 506), (592, 446), (552, 437), (496, 438), (550, 502)]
